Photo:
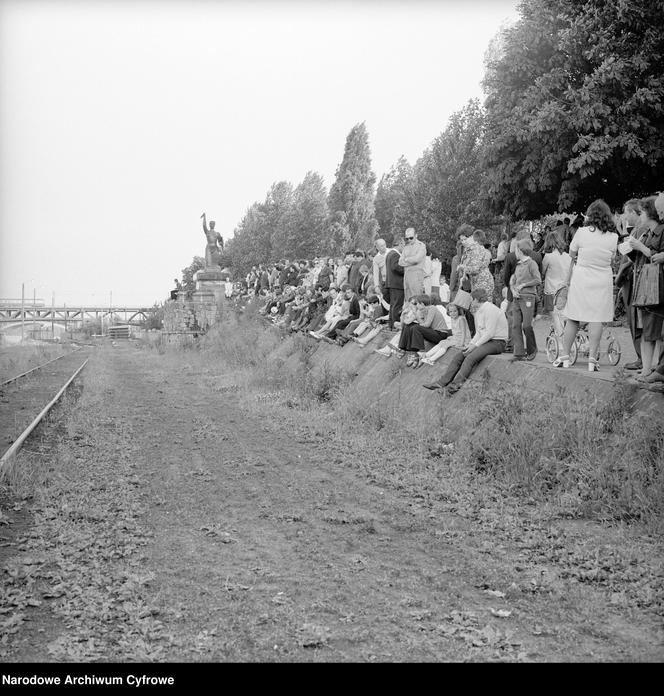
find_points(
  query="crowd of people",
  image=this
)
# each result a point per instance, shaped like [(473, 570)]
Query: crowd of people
[(494, 293)]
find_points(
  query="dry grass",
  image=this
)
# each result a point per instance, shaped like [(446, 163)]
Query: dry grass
[(17, 359), (587, 458)]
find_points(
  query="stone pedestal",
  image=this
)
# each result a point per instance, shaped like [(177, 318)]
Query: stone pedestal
[(208, 294)]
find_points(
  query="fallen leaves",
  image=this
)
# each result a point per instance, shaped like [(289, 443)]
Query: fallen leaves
[(465, 626), (80, 562), (216, 531)]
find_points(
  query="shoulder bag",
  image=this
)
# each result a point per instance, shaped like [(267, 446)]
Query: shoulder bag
[(648, 290)]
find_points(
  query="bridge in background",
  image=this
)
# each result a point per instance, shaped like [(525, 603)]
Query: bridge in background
[(12, 315)]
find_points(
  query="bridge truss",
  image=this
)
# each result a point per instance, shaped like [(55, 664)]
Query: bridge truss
[(70, 316)]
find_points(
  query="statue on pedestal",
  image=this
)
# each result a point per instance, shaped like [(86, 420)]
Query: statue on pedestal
[(215, 244)]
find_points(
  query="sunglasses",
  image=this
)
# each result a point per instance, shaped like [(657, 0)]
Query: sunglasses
[(409, 239)]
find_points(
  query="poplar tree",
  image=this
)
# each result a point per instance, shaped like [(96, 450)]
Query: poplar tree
[(394, 201), (307, 219), (352, 221)]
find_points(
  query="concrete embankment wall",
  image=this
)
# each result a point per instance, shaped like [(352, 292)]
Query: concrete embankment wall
[(382, 381)]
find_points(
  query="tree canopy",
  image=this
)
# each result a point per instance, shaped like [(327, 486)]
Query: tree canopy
[(575, 105), (394, 201), (351, 199)]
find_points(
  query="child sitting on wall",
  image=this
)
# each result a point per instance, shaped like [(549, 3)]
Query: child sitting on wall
[(336, 313), (459, 339)]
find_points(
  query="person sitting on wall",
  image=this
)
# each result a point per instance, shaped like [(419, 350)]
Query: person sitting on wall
[(353, 313), (490, 337), (178, 288)]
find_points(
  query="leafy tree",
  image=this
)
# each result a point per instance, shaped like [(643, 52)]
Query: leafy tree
[(352, 194), (188, 284), (575, 105), (155, 317), (307, 219), (394, 201), (447, 182), (273, 234)]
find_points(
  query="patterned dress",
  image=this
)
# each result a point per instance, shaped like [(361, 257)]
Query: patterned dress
[(476, 261)]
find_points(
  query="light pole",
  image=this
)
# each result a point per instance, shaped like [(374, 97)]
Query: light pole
[(22, 312)]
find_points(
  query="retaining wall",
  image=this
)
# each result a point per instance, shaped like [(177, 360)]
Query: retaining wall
[(380, 380)]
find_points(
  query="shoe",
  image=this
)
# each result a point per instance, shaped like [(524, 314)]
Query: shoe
[(643, 377), (531, 356), (452, 389), (411, 361), (561, 361), (433, 386), (508, 349), (327, 340), (654, 377), (518, 358), (426, 361), (593, 365), (383, 352), (636, 365)]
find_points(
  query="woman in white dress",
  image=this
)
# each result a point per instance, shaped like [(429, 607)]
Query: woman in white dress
[(590, 282)]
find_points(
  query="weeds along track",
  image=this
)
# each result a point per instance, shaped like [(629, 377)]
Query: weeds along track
[(27, 373), (26, 399)]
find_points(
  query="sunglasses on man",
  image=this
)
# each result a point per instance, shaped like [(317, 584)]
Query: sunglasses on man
[(409, 239)]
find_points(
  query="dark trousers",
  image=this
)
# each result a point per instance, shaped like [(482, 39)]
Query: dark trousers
[(471, 322), (413, 336), (634, 330), (508, 314), (523, 311), (339, 327), (316, 321), (660, 364), (462, 365), (396, 305)]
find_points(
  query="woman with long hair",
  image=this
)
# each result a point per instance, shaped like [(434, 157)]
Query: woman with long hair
[(590, 281)]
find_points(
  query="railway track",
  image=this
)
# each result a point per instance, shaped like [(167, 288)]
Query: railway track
[(26, 399)]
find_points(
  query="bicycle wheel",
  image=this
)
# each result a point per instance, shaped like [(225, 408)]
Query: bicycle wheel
[(613, 351), (574, 352), (552, 347)]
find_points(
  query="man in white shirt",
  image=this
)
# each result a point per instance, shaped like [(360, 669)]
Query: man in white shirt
[(379, 264), (491, 334), (444, 290)]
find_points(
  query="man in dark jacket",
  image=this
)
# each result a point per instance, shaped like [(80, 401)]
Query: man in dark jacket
[(354, 277), (394, 281)]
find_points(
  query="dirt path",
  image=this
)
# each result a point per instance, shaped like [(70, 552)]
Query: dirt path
[(186, 528)]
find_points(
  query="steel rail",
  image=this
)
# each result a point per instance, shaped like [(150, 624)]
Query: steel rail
[(7, 456), (39, 367)]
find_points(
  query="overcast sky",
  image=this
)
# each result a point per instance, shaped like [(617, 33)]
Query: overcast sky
[(121, 122)]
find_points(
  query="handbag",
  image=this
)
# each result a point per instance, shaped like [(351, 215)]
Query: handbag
[(462, 299), (647, 290)]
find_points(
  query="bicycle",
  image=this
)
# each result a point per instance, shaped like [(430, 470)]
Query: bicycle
[(581, 346)]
